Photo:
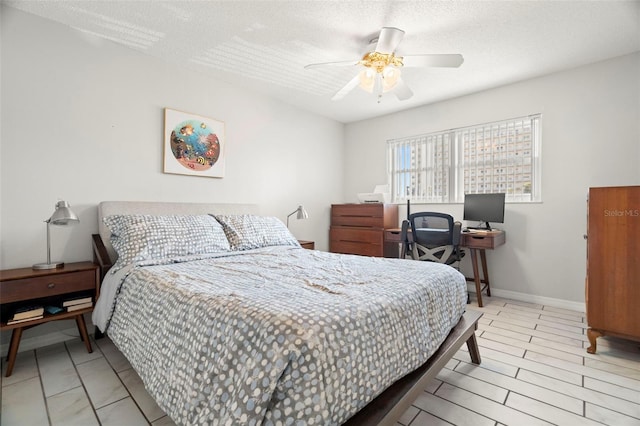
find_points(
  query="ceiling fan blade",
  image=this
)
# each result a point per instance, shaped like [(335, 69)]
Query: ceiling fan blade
[(389, 39), (433, 60), (332, 64), (347, 88), (402, 91)]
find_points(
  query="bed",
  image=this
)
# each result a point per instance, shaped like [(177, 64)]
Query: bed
[(227, 320)]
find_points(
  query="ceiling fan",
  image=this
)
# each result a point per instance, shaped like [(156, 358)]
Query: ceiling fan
[(380, 68)]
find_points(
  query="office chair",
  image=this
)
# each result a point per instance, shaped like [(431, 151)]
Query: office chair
[(434, 237)]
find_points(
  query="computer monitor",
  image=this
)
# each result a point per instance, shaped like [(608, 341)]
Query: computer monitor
[(484, 208)]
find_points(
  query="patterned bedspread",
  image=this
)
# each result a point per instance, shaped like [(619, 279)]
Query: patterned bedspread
[(281, 335)]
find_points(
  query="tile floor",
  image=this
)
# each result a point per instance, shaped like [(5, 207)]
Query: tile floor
[(534, 371)]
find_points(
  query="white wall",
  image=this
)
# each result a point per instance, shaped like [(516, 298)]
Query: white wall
[(590, 137), (83, 121)]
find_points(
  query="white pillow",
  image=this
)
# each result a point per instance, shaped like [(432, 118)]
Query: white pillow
[(246, 232)]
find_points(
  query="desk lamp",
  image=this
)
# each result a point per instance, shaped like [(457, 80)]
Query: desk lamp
[(61, 216), (302, 214)]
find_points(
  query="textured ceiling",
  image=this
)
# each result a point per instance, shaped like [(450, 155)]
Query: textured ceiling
[(264, 45)]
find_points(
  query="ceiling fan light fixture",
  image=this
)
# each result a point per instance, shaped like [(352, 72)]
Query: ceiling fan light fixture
[(367, 79), (390, 77), (380, 68)]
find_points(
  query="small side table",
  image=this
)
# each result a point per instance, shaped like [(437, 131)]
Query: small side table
[(30, 287), (477, 243), (311, 245)]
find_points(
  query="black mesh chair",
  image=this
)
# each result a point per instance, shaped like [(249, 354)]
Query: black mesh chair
[(434, 237)]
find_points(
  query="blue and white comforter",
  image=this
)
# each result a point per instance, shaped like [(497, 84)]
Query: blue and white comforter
[(278, 335)]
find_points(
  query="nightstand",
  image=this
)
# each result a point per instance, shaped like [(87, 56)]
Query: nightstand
[(311, 245), (51, 287)]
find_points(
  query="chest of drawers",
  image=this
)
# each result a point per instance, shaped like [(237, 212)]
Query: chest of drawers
[(359, 229)]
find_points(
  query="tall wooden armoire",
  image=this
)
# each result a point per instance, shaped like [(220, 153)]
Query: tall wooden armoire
[(613, 263)]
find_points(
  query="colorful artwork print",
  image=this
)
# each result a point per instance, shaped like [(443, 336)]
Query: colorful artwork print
[(194, 145)]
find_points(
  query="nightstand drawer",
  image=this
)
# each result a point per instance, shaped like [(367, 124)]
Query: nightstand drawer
[(45, 286), (309, 245)]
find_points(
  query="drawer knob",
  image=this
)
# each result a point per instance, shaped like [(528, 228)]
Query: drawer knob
[(51, 285)]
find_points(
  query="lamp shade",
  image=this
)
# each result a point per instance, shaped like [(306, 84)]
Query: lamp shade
[(63, 214), (301, 214)]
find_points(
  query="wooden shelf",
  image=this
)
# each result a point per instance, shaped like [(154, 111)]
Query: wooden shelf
[(46, 318)]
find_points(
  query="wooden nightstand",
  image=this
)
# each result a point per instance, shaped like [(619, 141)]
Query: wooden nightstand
[(29, 287), (311, 245)]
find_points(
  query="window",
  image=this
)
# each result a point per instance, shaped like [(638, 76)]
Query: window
[(441, 167)]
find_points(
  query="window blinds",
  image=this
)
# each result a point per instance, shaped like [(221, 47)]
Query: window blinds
[(502, 156)]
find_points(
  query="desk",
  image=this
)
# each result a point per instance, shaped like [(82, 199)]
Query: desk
[(477, 242)]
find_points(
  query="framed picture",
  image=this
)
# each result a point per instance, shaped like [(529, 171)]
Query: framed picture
[(193, 145)]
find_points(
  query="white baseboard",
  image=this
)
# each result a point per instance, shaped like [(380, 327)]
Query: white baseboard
[(541, 300)]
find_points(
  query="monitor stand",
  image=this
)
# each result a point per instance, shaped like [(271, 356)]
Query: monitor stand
[(486, 227)]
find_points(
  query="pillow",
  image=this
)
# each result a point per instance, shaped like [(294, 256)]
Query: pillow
[(246, 232), (138, 238)]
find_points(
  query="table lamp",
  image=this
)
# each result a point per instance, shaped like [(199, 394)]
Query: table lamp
[(61, 216), (302, 214)]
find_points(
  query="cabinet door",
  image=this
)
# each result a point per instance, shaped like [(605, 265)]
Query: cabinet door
[(613, 263)]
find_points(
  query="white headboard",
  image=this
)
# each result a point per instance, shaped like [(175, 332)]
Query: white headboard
[(108, 208)]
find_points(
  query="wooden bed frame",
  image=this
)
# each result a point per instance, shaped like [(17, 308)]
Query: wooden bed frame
[(385, 409)]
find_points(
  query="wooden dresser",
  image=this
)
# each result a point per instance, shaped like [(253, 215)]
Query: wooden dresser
[(613, 263), (359, 229)]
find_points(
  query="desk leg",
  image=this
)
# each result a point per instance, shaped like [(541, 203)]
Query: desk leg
[(476, 275), (13, 350), (485, 270)]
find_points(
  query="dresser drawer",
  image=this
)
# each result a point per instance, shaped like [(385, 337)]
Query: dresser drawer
[(365, 215), (353, 247), (358, 221), (45, 286), (358, 235), (373, 209), (366, 242)]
